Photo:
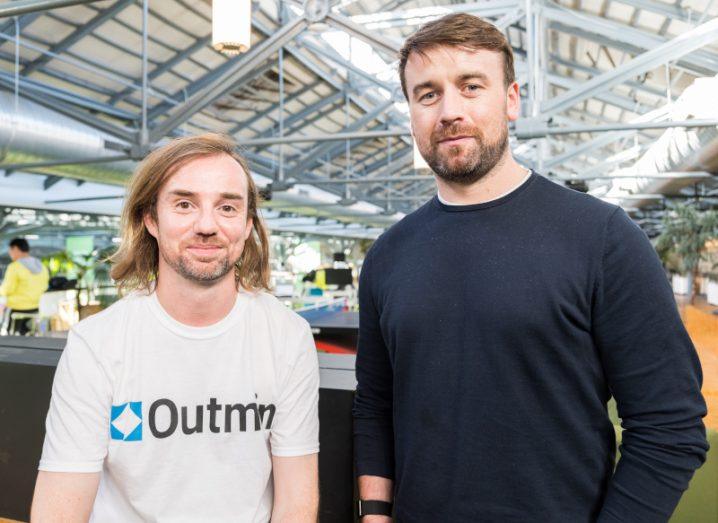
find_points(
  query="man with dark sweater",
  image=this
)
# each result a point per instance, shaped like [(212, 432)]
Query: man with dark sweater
[(499, 318)]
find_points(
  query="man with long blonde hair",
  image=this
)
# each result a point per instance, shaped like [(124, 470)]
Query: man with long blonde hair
[(194, 396)]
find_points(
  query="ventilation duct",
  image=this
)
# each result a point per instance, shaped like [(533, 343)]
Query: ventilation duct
[(677, 150)]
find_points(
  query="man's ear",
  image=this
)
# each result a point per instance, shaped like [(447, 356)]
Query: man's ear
[(248, 230), (513, 102), (150, 224)]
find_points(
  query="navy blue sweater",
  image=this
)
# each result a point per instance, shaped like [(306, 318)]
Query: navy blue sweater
[(492, 337)]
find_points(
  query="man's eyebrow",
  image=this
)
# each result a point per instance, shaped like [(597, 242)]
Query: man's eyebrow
[(477, 75), (182, 192), (231, 196)]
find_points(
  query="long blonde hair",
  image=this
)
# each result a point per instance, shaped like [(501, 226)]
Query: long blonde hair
[(135, 264)]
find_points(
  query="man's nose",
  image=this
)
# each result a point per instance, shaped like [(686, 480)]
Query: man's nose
[(452, 107), (206, 223)]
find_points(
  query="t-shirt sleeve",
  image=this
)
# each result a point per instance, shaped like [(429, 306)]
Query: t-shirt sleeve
[(654, 374), (77, 425), (295, 429)]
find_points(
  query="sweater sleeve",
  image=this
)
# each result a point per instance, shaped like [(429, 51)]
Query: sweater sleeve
[(373, 424), (653, 373)]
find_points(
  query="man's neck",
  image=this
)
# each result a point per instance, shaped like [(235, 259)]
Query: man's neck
[(194, 304), (506, 176)]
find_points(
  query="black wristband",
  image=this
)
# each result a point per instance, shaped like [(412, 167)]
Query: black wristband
[(372, 507)]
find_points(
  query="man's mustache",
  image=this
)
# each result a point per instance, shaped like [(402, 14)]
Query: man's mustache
[(453, 131)]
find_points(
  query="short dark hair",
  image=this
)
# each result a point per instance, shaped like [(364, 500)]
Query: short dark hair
[(458, 30), (20, 243)]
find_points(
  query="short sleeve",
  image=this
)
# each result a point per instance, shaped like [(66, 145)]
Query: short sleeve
[(295, 429), (77, 425)]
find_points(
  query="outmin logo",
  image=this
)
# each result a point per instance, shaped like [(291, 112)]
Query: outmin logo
[(165, 417), (126, 421)]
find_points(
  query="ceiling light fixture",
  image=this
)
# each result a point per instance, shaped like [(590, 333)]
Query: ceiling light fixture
[(231, 26)]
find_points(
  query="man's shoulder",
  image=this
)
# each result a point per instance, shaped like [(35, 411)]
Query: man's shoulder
[(276, 311), (112, 317), (561, 197), (403, 230)]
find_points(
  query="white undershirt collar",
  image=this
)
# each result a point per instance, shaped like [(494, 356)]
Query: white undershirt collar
[(528, 175)]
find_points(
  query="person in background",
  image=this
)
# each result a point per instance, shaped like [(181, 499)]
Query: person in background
[(26, 278), (498, 319)]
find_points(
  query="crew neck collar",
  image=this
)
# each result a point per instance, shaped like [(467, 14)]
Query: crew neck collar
[(188, 331), (491, 203)]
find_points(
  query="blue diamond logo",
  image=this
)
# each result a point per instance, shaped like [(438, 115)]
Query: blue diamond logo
[(126, 421)]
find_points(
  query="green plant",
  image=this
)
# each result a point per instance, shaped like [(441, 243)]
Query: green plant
[(683, 241), (90, 269)]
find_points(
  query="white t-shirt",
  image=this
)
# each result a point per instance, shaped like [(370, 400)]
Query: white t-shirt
[(183, 421)]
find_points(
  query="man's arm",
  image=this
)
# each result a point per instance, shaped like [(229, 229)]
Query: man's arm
[(65, 497), (376, 488), (373, 403), (9, 282), (296, 489), (653, 373)]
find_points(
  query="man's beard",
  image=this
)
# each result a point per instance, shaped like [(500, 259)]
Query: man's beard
[(198, 272), (478, 162)]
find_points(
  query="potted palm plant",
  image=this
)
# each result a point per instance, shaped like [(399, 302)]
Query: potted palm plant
[(683, 243)]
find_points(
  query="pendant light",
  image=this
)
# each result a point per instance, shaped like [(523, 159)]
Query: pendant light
[(231, 25)]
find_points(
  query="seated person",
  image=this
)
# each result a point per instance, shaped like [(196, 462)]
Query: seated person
[(26, 278)]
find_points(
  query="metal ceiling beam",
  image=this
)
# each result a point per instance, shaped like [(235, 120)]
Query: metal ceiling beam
[(331, 54), (328, 148), (166, 66), (349, 135), (670, 11), (100, 69), (328, 76), (20, 7), (609, 98), (668, 51), (618, 126), (23, 22), (484, 9), (374, 38), (68, 96), (79, 33), (606, 139), (307, 111), (253, 59), (611, 33), (267, 112), (637, 86), (678, 175), (197, 86)]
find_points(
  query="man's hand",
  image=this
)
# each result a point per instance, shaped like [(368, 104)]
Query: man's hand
[(296, 489), (64, 496)]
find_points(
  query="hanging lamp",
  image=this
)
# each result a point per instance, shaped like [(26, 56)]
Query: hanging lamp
[(231, 26)]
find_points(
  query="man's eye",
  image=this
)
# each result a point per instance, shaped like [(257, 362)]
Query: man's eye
[(427, 97), (228, 208), (473, 87), (183, 205)]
